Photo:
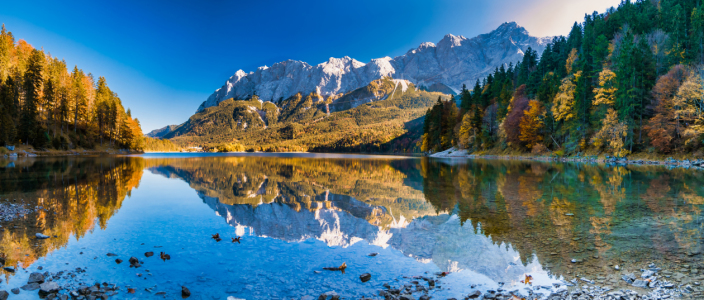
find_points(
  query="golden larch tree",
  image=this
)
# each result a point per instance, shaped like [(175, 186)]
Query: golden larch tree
[(532, 123)]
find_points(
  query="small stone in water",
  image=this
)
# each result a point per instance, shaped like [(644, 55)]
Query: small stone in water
[(365, 277), (185, 293), (41, 236)]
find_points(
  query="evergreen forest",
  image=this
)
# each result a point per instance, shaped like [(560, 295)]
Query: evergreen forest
[(45, 105), (629, 80)]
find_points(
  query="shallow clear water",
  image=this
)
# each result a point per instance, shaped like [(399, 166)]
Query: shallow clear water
[(484, 222)]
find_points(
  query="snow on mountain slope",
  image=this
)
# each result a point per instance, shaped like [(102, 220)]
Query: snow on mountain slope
[(454, 61)]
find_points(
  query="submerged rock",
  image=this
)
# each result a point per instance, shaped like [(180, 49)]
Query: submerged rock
[(365, 277), (4, 295), (185, 293), (474, 295), (640, 283), (31, 286), (36, 277), (49, 287), (41, 236)]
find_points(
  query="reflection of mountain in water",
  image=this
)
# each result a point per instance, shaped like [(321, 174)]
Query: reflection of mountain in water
[(296, 200), (439, 239), (555, 212), (303, 183)]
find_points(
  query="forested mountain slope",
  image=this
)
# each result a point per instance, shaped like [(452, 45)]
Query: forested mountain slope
[(624, 81), (45, 105), (371, 118)]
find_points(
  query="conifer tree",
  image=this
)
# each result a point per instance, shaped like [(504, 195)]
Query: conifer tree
[(33, 79)]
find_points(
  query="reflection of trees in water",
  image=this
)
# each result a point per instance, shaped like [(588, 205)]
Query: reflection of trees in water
[(74, 192), (389, 186), (561, 211)]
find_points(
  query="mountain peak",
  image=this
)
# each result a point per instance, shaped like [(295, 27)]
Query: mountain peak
[(510, 27), (426, 45), (454, 61), (452, 40)]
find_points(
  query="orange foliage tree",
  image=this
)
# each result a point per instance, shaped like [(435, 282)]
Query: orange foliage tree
[(664, 128), (516, 110), (531, 124)]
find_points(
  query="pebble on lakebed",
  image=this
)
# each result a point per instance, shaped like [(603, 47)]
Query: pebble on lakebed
[(11, 211)]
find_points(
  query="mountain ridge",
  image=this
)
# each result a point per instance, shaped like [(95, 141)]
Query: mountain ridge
[(454, 61)]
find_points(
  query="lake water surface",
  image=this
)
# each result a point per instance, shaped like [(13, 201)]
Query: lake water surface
[(488, 223)]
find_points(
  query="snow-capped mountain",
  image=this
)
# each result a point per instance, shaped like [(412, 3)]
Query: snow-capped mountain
[(454, 61)]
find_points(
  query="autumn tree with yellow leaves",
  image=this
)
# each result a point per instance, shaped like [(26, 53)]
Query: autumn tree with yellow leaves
[(45, 105), (612, 134), (563, 104), (532, 124)]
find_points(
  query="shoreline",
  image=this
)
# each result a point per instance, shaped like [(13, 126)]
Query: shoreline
[(453, 153), (55, 153)]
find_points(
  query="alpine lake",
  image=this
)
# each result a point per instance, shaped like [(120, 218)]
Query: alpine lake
[(423, 227)]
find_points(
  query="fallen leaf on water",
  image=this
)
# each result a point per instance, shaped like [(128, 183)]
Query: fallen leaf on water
[(527, 280), (342, 268), (216, 237), (237, 239), (130, 290), (164, 256)]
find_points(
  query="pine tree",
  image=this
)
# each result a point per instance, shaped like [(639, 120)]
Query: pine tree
[(78, 94), (466, 98), (33, 79)]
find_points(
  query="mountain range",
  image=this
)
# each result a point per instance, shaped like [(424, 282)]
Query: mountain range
[(325, 98), (442, 67)]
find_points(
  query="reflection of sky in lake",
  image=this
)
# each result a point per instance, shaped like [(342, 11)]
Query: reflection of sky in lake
[(485, 222)]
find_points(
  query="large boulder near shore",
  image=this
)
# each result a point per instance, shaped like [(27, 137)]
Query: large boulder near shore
[(36, 278), (49, 287)]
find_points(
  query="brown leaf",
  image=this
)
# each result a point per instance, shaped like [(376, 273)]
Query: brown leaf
[(164, 256), (131, 290)]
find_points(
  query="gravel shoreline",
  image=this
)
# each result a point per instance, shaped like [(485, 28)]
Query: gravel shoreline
[(685, 163)]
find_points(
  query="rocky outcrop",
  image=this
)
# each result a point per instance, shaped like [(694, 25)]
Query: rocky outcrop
[(454, 61), (161, 132)]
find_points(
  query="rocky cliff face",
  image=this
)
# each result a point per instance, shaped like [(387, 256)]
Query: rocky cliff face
[(454, 61)]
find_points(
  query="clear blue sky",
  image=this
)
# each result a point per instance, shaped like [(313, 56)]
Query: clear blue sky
[(164, 58)]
